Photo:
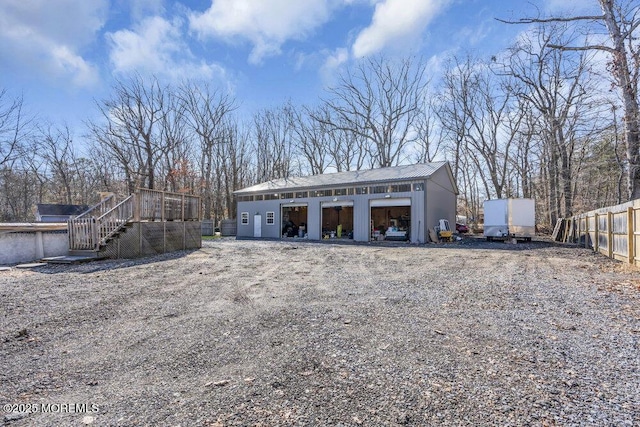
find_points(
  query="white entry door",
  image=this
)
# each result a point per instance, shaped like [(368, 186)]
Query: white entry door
[(257, 226)]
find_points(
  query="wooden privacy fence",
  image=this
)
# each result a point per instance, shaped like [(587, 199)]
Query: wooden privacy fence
[(613, 231)]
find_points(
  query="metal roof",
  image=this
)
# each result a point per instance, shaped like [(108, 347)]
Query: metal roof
[(369, 176)]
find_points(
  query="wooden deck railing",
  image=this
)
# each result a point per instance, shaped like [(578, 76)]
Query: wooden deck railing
[(94, 227), (99, 209), (83, 233), (82, 230), (163, 206), (114, 220)]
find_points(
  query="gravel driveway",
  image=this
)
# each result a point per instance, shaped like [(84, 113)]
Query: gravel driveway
[(255, 333)]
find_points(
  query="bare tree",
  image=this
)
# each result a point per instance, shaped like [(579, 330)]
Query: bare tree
[(349, 150), (274, 143), (313, 140), (556, 86), (14, 126), (55, 146), (601, 177), (379, 101), (22, 181), (108, 173), (130, 129), (620, 19), (470, 198), (495, 124), (22, 184), (88, 180), (346, 149), (430, 136), (524, 165), (236, 163), (178, 163), (452, 110), (206, 110), (452, 113), (483, 121), (18, 195)]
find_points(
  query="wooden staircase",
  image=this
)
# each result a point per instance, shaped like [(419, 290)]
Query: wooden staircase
[(91, 232)]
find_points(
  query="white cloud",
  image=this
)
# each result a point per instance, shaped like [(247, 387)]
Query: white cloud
[(156, 46), (396, 22), (334, 61), (48, 36), (150, 46), (82, 73), (141, 9), (267, 25)]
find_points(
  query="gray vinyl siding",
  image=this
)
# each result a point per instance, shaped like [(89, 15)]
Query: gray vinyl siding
[(313, 218), (441, 199), (418, 217), (361, 218), (436, 201), (361, 213), (261, 207)]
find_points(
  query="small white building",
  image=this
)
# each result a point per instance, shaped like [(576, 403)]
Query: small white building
[(397, 203)]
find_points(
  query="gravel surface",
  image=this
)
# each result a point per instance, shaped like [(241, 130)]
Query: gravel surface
[(255, 333)]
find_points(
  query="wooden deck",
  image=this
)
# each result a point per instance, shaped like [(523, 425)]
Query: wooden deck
[(109, 221)]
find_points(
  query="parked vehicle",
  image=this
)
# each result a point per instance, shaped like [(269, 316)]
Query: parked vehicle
[(509, 218), (461, 228)]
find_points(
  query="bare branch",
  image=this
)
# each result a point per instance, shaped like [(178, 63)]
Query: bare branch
[(621, 22), (380, 102), (551, 20), (579, 48)]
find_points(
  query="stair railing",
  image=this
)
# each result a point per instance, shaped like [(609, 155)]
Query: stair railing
[(114, 220), (90, 229), (99, 209), (82, 231)]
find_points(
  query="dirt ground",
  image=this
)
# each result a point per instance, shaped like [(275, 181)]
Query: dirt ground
[(270, 333)]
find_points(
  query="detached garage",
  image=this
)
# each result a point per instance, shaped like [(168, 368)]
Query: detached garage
[(396, 203)]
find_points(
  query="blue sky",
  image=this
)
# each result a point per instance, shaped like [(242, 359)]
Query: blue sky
[(61, 55)]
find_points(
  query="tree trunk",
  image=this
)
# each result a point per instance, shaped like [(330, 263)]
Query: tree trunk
[(554, 200), (628, 87), (633, 146), (567, 189)]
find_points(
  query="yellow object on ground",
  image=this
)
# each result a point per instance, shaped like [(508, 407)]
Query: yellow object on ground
[(446, 235), (339, 231)]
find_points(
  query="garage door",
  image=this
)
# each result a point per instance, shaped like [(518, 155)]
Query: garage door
[(339, 203), (405, 201)]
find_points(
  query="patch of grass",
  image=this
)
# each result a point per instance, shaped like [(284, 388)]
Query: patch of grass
[(211, 237)]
